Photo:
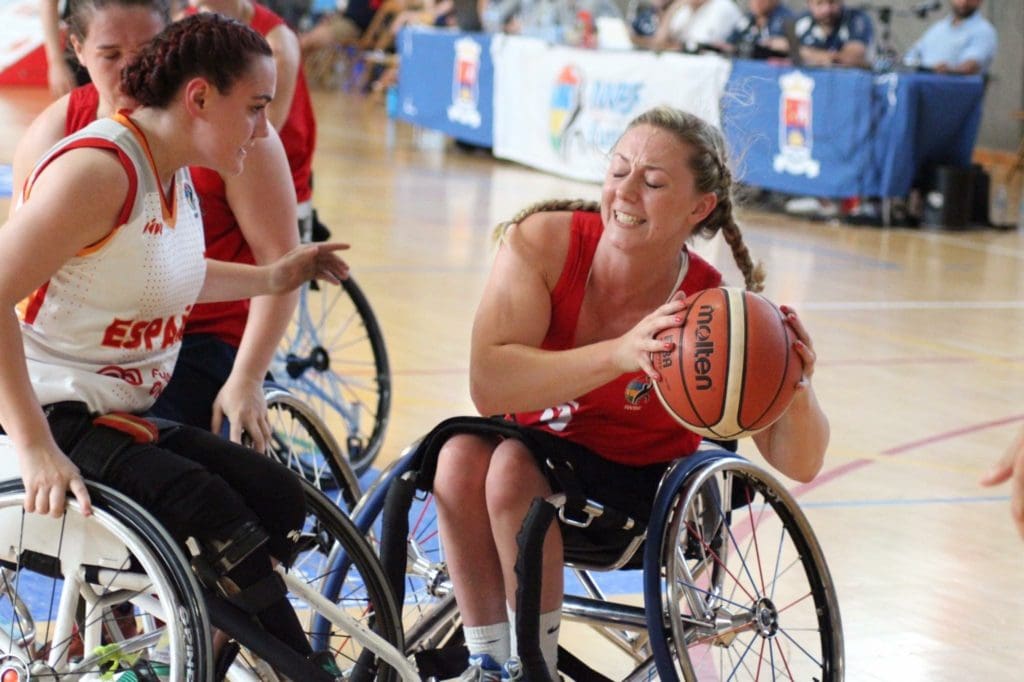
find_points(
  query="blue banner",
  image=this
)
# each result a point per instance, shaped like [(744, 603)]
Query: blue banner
[(447, 83), (841, 132)]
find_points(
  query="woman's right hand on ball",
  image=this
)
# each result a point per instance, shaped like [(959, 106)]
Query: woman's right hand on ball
[(635, 347)]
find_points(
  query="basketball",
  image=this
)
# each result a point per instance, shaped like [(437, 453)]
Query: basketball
[(733, 370)]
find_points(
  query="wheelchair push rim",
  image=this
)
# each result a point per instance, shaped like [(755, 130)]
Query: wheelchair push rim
[(746, 592)]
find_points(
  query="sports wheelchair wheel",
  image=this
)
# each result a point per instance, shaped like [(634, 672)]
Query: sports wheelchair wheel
[(333, 356), (331, 544), (301, 441), (745, 592), (63, 584), (414, 554)]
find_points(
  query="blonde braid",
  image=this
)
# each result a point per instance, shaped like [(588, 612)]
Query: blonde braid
[(711, 174), (753, 273), (547, 205)]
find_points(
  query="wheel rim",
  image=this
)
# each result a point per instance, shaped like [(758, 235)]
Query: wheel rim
[(333, 356), (748, 594), (165, 627)]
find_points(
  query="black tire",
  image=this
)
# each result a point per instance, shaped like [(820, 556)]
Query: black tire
[(301, 441), (334, 358), (745, 590), (138, 563)]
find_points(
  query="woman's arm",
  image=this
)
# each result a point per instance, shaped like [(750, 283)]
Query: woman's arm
[(796, 443), (285, 46), (509, 372), (58, 73), (262, 198), (45, 131), (237, 281), (663, 38), (64, 213)]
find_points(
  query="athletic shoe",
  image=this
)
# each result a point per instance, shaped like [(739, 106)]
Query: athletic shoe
[(145, 671), (325, 659), (482, 668), (812, 207), (512, 670)]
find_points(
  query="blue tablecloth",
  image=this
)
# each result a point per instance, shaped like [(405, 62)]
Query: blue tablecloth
[(447, 83), (839, 132), (822, 132)]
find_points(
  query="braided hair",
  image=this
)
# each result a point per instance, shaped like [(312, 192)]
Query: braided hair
[(708, 163), (711, 171), (206, 45)]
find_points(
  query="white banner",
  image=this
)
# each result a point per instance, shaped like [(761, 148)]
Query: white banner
[(21, 30), (560, 109)]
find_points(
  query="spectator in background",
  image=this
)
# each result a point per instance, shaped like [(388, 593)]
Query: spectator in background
[(341, 28), (761, 31), (643, 17), (689, 24), (962, 42), (832, 34)]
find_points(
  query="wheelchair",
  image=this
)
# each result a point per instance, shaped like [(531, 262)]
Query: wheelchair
[(734, 583), (64, 584), (301, 441), (333, 357)]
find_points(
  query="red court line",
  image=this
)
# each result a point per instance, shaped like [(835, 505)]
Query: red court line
[(856, 464)]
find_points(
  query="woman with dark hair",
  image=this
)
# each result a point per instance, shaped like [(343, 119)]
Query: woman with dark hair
[(106, 260), (247, 218)]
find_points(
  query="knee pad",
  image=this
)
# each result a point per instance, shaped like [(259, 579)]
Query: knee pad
[(215, 562)]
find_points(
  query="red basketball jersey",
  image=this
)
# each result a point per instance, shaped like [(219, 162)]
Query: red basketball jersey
[(622, 420)]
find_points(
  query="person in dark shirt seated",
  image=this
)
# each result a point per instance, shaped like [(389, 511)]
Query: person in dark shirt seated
[(832, 34), (761, 33)]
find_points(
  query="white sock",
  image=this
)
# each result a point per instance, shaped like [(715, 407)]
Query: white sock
[(550, 624), (492, 640), (513, 643)]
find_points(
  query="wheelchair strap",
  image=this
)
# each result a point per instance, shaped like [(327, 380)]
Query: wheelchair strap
[(395, 533), (101, 438), (529, 570), (424, 460)]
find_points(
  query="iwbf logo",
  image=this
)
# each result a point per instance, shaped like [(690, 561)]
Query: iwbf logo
[(796, 136), (566, 103), (464, 108)]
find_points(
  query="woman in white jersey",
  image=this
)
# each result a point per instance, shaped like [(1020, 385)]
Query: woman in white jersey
[(104, 261)]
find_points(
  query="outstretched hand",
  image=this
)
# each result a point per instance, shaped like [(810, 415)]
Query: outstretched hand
[(1010, 467), (308, 262)]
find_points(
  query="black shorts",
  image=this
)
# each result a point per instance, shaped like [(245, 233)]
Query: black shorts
[(195, 483), (630, 490)]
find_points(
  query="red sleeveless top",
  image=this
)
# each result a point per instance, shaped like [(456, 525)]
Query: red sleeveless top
[(623, 420), (298, 134)]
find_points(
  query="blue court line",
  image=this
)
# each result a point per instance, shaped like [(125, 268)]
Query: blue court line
[(6, 180), (903, 502)]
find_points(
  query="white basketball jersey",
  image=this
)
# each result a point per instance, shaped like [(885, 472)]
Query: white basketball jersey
[(106, 328)]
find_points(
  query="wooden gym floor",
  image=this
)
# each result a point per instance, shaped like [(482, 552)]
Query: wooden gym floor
[(921, 371)]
